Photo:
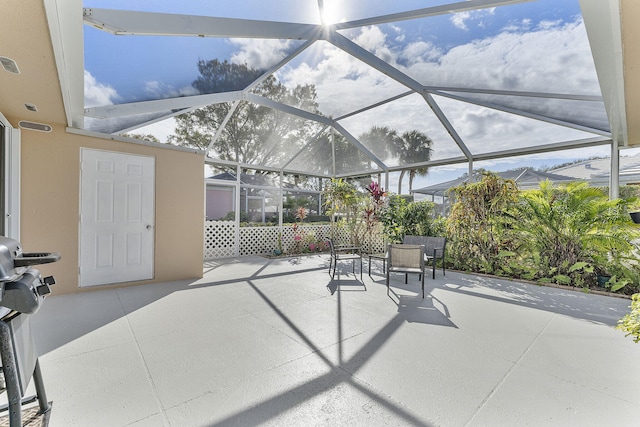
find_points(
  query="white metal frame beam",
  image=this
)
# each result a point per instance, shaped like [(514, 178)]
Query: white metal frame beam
[(161, 105), (448, 126), (128, 22), (159, 24), (65, 27), (445, 9), (602, 22), (526, 114)]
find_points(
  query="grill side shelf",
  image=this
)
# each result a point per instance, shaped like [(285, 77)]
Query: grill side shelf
[(35, 258)]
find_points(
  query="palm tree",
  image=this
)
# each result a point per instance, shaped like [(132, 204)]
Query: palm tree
[(413, 146), (381, 141)]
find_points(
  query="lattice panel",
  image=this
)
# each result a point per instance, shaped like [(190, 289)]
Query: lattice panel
[(220, 239), (258, 240)]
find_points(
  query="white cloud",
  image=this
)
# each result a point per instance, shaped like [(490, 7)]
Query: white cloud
[(524, 25), (339, 73), (554, 59), (259, 54), (97, 94), (461, 19), (420, 51), (549, 58), (161, 130), (549, 25)]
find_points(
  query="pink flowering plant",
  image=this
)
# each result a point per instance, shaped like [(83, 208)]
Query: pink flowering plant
[(372, 207)]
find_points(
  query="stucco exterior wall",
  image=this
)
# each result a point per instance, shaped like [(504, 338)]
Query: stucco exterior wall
[(50, 205), (630, 14)]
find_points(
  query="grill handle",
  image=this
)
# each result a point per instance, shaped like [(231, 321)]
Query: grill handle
[(35, 258)]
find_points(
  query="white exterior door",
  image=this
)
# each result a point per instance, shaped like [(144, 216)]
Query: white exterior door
[(116, 217)]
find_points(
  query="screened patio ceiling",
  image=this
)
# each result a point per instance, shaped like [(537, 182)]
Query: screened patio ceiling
[(482, 79)]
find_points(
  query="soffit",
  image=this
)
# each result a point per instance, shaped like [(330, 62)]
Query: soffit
[(26, 39)]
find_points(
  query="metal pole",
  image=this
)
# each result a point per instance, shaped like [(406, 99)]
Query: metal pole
[(10, 376), (614, 177), (40, 392), (238, 195)]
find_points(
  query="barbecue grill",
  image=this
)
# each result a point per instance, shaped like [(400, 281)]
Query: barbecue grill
[(22, 290)]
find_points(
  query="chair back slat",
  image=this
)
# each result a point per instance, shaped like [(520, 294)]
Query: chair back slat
[(430, 244), (406, 256)]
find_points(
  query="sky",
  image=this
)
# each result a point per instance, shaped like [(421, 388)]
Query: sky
[(532, 46)]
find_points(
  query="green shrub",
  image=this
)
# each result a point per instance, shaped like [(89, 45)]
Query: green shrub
[(400, 217), (573, 233), (479, 226), (630, 323)]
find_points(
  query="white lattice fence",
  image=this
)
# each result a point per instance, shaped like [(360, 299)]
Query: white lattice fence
[(258, 240), (220, 239)]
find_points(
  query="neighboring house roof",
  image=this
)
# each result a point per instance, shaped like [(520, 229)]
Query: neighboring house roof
[(530, 178), (525, 178), (441, 188), (598, 171), (249, 179)]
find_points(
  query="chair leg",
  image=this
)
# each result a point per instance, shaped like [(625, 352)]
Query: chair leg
[(422, 285), (434, 268), (406, 278)]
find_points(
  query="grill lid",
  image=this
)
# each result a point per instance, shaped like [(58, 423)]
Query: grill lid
[(9, 250)]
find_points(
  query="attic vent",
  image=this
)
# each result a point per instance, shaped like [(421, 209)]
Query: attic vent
[(9, 65), (34, 126)]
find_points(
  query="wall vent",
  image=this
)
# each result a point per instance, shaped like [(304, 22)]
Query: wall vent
[(9, 65), (34, 126)]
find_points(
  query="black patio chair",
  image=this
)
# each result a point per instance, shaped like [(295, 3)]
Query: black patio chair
[(406, 259), (434, 249), (344, 253)]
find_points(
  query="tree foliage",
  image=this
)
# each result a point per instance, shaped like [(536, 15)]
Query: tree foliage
[(400, 217), (414, 146), (143, 137), (381, 141), (561, 227), (216, 76), (342, 197), (479, 223), (253, 134), (568, 234), (630, 323)]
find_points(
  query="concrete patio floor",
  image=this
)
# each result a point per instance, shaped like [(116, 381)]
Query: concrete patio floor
[(275, 342)]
